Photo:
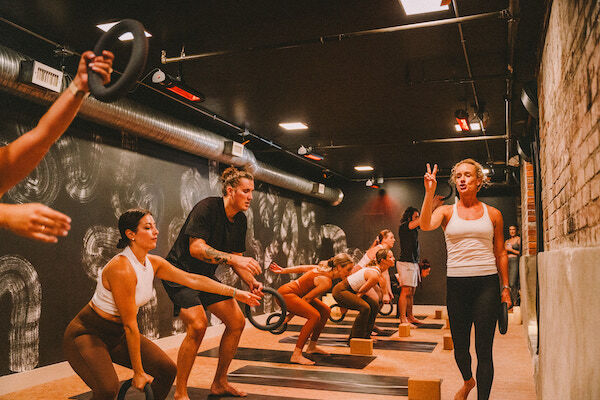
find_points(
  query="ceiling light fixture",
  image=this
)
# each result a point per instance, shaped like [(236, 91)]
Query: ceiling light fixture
[(462, 119), (293, 126), (412, 7), (124, 37), (475, 126), (362, 168), (176, 85)]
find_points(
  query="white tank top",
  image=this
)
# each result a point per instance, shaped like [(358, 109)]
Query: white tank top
[(103, 298), (357, 279), (470, 245), (365, 259)]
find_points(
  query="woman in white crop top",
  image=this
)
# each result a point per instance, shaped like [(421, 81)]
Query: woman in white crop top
[(477, 263), (106, 330), (351, 293)]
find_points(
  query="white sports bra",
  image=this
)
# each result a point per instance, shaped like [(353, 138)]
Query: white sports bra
[(103, 298), (365, 259), (470, 245), (357, 279)]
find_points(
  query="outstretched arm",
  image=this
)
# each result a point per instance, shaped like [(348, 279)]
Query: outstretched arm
[(165, 270), (291, 270), (202, 251), (19, 158)]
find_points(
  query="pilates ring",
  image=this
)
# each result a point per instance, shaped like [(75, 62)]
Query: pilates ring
[(269, 326), (503, 318), (127, 384), (135, 65), (386, 312), (342, 315), (450, 191), (280, 329)]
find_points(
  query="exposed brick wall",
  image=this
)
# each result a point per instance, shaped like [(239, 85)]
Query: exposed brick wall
[(528, 218), (568, 86)]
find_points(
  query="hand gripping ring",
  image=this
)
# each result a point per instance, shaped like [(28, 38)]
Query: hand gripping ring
[(341, 317), (386, 312), (135, 65), (503, 318), (127, 384), (269, 326)]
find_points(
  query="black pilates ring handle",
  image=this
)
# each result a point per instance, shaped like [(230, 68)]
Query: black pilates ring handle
[(450, 192), (269, 326), (127, 384), (386, 312), (280, 329), (342, 315), (503, 318), (135, 65)]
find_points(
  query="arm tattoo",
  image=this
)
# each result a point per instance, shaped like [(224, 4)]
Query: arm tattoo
[(215, 256)]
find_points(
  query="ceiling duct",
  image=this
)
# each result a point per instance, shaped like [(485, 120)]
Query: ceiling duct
[(161, 128)]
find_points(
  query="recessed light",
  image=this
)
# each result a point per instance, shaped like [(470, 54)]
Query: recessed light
[(124, 37), (412, 7), (292, 126), (363, 168), (475, 126)]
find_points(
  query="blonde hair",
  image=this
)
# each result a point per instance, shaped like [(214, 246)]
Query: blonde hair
[(339, 260), (485, 180), (231, 177)]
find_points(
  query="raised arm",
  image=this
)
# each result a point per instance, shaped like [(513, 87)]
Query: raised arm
[(500, 253), (429, 218), (167, 271), (122, 280), (19, 158)]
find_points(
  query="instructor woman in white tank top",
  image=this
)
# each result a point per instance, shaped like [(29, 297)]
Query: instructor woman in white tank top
[(477, 264)]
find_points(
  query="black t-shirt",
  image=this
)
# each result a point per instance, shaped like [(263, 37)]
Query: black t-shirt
[(409, 243), (208, 221)]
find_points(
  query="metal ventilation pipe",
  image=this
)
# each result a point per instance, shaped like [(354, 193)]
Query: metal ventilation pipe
[(161, 128)]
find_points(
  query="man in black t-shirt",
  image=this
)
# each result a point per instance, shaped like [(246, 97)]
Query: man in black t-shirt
[(214, 233)]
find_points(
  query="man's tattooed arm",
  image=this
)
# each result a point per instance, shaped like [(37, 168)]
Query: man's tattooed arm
[(215, 256), (202, 251)]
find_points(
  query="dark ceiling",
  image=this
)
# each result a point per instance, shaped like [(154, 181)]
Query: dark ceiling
[(366, 99)]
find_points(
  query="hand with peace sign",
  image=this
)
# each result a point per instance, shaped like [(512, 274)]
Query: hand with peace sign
[(429, 179)]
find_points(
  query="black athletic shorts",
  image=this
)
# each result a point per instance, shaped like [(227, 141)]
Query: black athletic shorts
[(184, 297)]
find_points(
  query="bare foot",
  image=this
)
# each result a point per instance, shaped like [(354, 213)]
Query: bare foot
[(463, 393), (413, 320), (300, 359), (314, 349), (227, 390), (181, 396)]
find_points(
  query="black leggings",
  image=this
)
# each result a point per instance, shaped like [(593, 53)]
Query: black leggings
[(474, 300), (92, 343)]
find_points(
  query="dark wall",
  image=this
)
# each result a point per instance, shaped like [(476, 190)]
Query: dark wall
[(366, 211), (93, 174)]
